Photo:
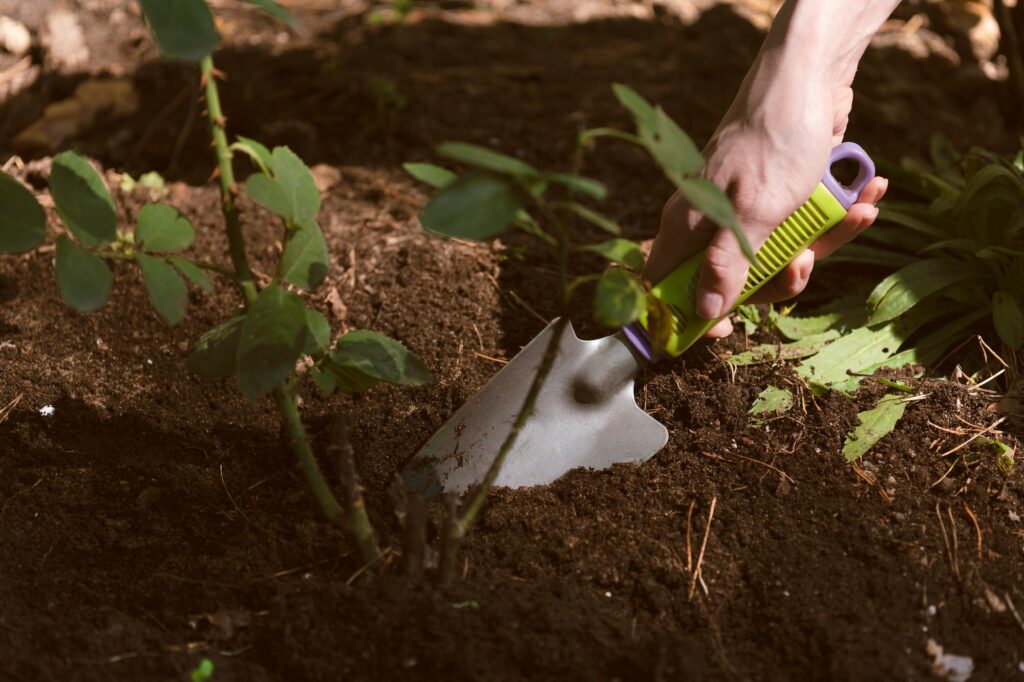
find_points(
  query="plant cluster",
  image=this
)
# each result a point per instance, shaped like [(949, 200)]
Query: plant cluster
[(274, 341), (954, 254)]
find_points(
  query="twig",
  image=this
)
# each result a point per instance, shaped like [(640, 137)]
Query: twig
[(977, 526), (526, 306), (986, 347), (945, 537), (956, 544), (1013, 610), (689, 546), (703, 546), (777, 470), (7, 409), (488, 357), (365, 567), (974, 437)]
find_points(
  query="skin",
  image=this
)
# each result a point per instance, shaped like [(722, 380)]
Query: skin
[(770, 150)]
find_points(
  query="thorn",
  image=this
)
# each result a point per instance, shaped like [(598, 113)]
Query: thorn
[(215, 174), (221, 121), (218, 74), (202, 80)]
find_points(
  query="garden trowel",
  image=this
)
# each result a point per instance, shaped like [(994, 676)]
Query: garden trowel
[(585, 413)]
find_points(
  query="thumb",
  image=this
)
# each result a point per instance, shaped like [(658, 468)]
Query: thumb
[(723, 272)]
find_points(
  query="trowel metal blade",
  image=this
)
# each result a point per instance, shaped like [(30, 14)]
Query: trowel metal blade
[(585, 416)]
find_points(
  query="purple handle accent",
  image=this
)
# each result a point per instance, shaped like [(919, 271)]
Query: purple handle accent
[(847, 196)]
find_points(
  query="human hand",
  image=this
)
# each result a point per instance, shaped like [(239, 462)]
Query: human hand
[(768, 154)]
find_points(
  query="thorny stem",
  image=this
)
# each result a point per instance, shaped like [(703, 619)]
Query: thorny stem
[(283, 396), (358, 521), (459, 525), (236, 242)]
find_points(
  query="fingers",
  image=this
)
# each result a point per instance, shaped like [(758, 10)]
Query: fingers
[(723, 272), (794, 278), (859, 218), (787, 283), (721, 329)]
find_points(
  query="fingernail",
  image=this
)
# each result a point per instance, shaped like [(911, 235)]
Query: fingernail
[(709, 305), (885, 187)]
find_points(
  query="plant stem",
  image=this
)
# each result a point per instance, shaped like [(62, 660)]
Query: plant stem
[(358, 521), (285, 399), (459, 525), (300, 445), (236, 241)]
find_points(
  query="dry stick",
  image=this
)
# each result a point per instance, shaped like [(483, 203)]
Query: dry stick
[(1013, 610), (243, 278), (689, 545), (974, 437), (703, 546), (358, 521), (977, 526)]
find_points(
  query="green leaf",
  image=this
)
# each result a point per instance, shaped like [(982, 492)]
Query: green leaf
[(476, 206), (162, 228), (435, 176), (183, 29), (215, 352), (167, 291), (319, 331), (619, 251), (707, 198), (272, 338), (488, 159), (643, 112), (291, 193), (83, 278), (275, 10), (619, 299), (194, 273), (256, 151), (592, 216), (304, 260), (82, 200), (902, 290), (325, 380), (862, 350), (1008, 318), (772, 400), (362, 358), (673, 149), (22, 219), (843, 313), (577, 183), (772, 352), (874, 425), (203, 672), (525, 222)]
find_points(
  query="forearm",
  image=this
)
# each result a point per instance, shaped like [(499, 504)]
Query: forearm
[(825, 38)]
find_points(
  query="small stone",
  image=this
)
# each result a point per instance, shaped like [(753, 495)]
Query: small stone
[(64, 40), (47, 410)]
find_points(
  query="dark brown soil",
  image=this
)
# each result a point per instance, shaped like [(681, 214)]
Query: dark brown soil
[(155, 519)]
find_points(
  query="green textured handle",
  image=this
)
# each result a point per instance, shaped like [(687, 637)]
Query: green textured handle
[(678, 290)]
